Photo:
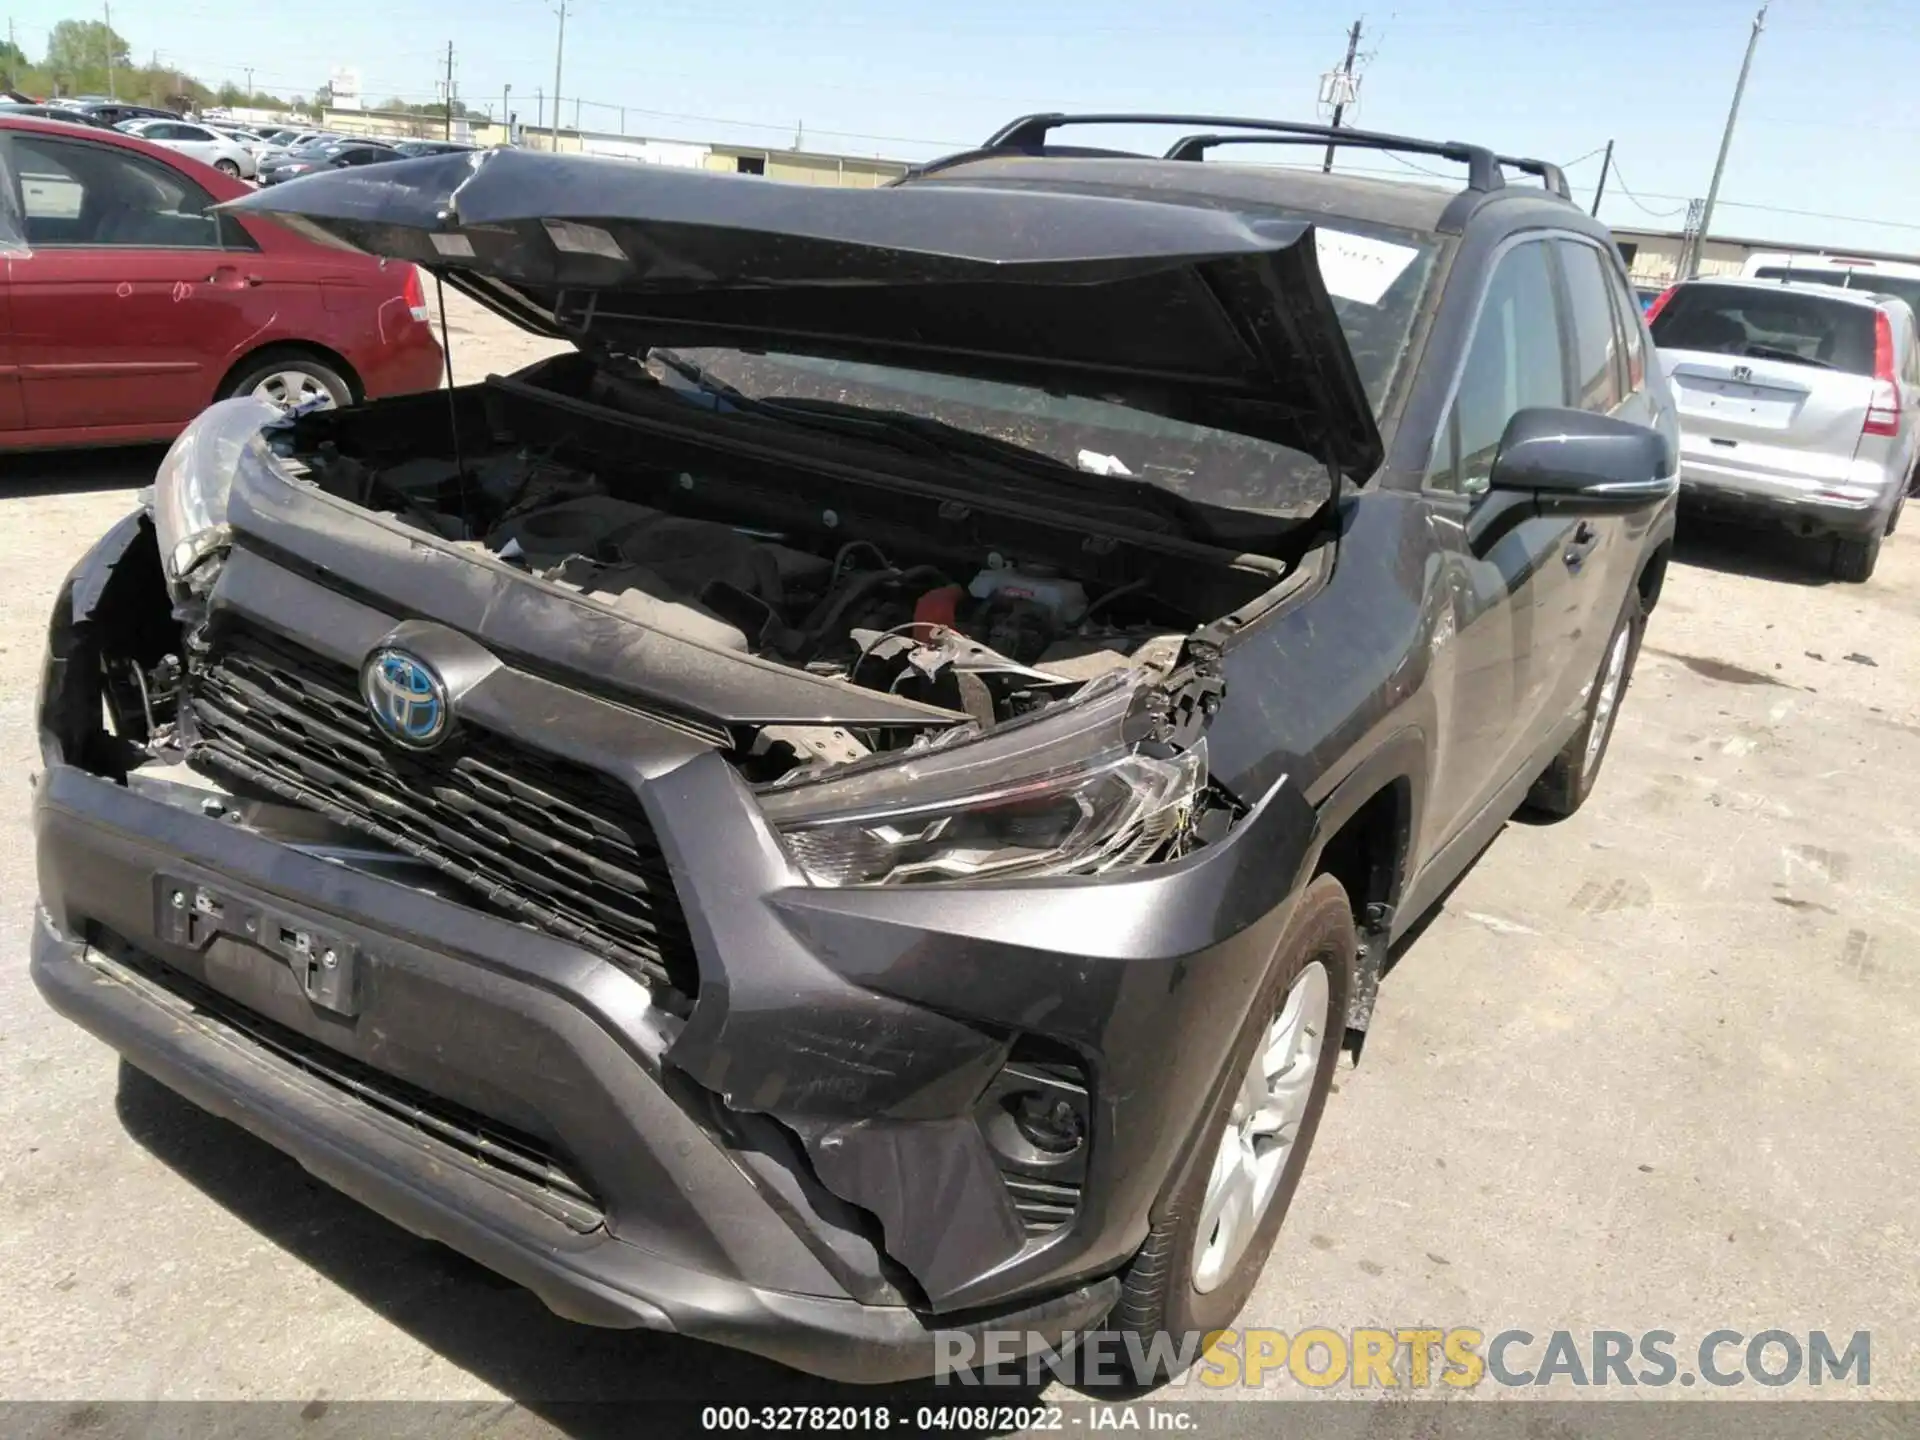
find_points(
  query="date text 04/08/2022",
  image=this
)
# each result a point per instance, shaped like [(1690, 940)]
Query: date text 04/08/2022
[(997, 1419)]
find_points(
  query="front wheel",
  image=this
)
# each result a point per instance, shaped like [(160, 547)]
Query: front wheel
[(1563, 787), (227, 168), (1217, 1222)]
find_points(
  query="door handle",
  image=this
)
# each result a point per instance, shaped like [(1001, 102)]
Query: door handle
[(1586, 535), (231, 278)]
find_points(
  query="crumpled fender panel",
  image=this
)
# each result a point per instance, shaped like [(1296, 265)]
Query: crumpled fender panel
[(870, 1021)]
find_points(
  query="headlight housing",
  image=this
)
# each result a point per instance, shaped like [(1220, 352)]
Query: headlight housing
[(193, 483), (1078, 796)]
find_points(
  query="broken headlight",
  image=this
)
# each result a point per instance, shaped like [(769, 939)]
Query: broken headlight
[(1041, 802), (1116, 812), (191, 487)]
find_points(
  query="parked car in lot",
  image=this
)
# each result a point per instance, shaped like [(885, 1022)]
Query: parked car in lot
[(1799, 403), (62, 113), (277, 153), (202, 142), (253, 142), (868, 797), (133, 305), (113, 112), (328, 155), (414, 149)]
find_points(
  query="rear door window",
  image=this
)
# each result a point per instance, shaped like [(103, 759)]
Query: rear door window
[(1597, 372), (1761, 323), (1626, 315)]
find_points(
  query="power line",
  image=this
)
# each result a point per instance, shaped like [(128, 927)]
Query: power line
[(1627, 190)]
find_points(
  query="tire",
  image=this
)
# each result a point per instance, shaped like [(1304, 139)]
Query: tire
[(1563, 787), (284, 377), (227, 168), (1893, 515), (1161, 1289), (1854, 557)]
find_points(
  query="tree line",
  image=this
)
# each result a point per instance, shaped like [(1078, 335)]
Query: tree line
[(79, 53)]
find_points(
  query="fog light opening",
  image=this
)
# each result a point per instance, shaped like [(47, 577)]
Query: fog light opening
[(1049, 1123)]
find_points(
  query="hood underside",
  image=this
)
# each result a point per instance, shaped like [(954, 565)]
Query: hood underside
[(1203, 316)]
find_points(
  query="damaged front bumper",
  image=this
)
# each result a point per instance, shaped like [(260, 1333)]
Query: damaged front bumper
[(821, 1159)]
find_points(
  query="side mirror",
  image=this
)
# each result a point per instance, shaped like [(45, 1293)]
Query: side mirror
[(1571, 462)]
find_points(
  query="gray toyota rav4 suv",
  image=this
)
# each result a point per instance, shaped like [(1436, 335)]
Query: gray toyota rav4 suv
[(866, 798)]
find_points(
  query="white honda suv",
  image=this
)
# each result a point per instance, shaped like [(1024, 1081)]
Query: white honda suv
[(1799, 402)]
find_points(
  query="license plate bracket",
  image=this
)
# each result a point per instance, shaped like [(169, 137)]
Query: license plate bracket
[(325, 963)]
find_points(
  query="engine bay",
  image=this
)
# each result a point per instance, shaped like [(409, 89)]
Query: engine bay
[(942, 603)]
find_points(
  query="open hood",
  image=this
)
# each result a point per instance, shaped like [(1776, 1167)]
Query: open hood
[(1205, 316)]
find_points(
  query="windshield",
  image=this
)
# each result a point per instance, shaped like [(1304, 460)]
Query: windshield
[(1901, 287), (1375, 273), (1761, 323)]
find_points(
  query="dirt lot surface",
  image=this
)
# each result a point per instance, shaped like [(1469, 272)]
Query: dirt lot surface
[(1655, 1067)]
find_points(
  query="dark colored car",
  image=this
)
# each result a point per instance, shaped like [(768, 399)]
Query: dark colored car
[(112, 112), (132, 305), (414, 149), (63, 113), (327, 155), (865, 800)]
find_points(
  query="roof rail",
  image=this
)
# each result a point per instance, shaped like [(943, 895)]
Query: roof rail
[(1194, 147), (1030, 132), (1549, 173)]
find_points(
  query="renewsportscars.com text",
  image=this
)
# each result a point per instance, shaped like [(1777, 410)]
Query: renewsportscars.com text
[(1412, 1358)]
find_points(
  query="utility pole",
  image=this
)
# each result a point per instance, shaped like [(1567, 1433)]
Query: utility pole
[(449, 134), (12, 78), (539, 107), (1690, 239), (1342, 89), (559, 49), (506, 110), (1606, 164), (107, 10), (1726, 143), (576, 112), (249, 85)]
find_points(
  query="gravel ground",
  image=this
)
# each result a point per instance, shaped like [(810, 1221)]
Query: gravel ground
[(1654, 1067)]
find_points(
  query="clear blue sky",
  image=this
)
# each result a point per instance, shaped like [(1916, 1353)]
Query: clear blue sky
[(1831, 122)]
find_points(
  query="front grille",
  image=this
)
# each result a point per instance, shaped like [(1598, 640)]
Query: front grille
[(514, 1161), (557, 843)]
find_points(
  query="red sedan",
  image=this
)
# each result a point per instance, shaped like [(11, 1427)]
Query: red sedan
[(126, 308)]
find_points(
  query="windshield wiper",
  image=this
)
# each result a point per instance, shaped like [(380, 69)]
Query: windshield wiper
[(1767, 352), (935, 437), (897, 427), (938, 440)]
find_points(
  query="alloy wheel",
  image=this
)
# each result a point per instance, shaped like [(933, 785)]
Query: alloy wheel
[(1269, 1107)]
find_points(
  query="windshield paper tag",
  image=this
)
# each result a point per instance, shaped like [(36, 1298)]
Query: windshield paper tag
[(1355, 267), (583, 239), (458, 246)]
